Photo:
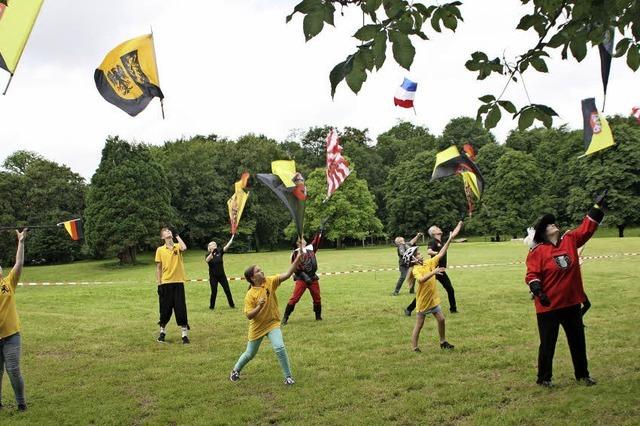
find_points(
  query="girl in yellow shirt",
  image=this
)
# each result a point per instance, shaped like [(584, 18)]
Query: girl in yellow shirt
[(261, 308)]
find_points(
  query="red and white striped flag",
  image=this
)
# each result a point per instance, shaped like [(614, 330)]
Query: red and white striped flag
[(337, 166), (635, 111)]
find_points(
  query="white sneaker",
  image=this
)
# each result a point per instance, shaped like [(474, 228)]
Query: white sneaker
[(289, 381), (234, 376)]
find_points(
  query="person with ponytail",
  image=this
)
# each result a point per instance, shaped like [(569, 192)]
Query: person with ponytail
[(261, 309), (555, 280)]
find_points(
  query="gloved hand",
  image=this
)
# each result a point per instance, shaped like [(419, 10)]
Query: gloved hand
[(600, 199), (306, 278), (536, 289)]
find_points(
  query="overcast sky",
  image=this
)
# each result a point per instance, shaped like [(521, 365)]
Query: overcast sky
[(231, 67)]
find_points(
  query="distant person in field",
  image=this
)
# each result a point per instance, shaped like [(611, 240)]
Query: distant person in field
[(401, 247), (555, 280), (10, 339), (261, 309), (217, 274), (306, 277), (171, 277), (428, 300)]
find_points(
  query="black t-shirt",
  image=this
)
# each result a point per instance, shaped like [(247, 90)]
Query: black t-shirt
[(436, 246), (216, 266)]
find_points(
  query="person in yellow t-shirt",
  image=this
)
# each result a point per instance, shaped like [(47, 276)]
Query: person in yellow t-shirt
[(261, 308), (170, 277), (427, 298), (10, 339)]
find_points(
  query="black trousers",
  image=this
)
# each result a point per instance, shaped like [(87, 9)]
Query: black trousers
[(172, 299), (446, 283), (213, 283), (548, 326)]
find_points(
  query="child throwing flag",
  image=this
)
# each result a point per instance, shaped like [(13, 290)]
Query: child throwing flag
[(261, 309)]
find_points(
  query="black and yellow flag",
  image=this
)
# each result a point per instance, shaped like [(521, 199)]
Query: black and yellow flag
[(128, 75), (450, 162), (16, 21), (597, 133)]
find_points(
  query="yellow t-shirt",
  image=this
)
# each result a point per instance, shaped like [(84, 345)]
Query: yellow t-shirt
[(427, 293), (269, 317), (9, 321), (172, 264)]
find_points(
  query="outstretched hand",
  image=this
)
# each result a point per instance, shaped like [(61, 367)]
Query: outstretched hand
[(22, 235), (456, 230), (600, 199)]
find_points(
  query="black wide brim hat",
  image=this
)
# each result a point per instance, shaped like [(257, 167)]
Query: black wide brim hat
[(541, 227)]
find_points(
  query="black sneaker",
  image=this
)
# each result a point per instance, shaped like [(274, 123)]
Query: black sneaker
[(234, 376), (161, 337), (284, 321), (446, 345), (417, 350), (587, 381), (185, 340), (407, 312), (289, 381), (545, 383), (453, 311), (22, 407)]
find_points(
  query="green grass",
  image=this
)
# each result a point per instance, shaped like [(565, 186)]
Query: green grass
[(89, 355)]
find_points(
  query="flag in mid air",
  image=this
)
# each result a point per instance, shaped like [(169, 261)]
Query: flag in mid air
[(337, 165), (128, 75), (635, 111), (450, 162), (405, 94), (17, 18), (237, 202), (289, 187), (606, 52), (74, 228), (597, 133)]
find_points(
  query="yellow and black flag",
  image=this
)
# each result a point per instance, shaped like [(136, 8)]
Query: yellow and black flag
[(128, 75), (17, 18), (597, 133)]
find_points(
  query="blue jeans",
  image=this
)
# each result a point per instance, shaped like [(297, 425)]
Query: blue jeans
[(277, 343), (10, 358)]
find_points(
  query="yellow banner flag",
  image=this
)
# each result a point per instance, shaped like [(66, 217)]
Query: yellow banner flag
[(16, 21), (128, 75), (237, 202), (285, 170)]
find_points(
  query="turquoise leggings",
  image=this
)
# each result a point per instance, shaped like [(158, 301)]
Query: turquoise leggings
[(275, 337)]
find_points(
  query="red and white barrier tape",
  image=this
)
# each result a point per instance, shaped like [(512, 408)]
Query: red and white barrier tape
[(322, 274)]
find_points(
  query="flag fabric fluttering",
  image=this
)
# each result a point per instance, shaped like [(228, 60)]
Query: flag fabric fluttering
[(74, 228), (337, 166), (597, 133), (635, 111), (606, 52), (128, 75), (237, 202), (450, 162), (405, 94), (17, 18), (288, 185)]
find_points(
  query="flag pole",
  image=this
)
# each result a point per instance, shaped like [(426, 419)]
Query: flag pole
[(8, 83), (414, 111), (604, 100), (155, 62)]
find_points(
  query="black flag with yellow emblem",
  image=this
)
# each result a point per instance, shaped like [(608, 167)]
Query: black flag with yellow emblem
[(128, 75)]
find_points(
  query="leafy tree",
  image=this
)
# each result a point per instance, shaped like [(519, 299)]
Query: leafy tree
[(402, 142), (570, 25), (127, 203), (350, 212), (465, 130)]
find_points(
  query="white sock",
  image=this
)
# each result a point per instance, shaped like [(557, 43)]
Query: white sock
[(184, 331), (162, 330)]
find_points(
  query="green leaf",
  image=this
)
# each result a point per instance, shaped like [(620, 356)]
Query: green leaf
[(329, 10), (405, 23), (557, 40), (393, 8), (307, 6), (312, 25), (435, 20), (368, 32), (403, 50), (578, 48), (493, 117), (380, 48), (622, 47), (526, 22), (545, 109), (508, 106), (339, 72), (539, 64), (370, 6), (419, 20), (450, 22), (633, 57), (527, 115), (546, 119), (356, 78), (487, 98)]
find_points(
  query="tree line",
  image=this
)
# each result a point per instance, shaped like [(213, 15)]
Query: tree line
[(185, 184)]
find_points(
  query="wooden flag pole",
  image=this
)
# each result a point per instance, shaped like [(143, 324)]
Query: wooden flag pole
[(8, 83), (155, 62)]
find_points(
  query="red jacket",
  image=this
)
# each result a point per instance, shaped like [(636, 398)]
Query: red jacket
[(557, 267)]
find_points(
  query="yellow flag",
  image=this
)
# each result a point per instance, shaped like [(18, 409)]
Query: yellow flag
[(471, 181), (16, 21), (128, 75), (237, 202), (597, 133), (285, 170)]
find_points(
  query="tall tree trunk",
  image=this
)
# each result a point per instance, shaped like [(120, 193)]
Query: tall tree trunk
[(125, 256), (621, 231)]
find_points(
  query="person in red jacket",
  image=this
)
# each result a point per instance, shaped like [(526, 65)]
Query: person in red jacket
[(554, 278)]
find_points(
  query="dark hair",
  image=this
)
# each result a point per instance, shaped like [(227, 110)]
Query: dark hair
[(248, 274)]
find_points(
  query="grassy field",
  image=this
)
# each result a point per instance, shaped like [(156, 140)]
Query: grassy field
[(90, 356)]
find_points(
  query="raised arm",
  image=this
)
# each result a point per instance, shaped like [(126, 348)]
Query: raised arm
[(414, 240), (452, 235), (225, 248), (17, 268), (438, 271), (294, 265), (183, 246)]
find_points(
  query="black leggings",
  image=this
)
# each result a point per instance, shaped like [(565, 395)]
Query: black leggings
[(446, 283), (172, 299), (213, 282), (548, 326)]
